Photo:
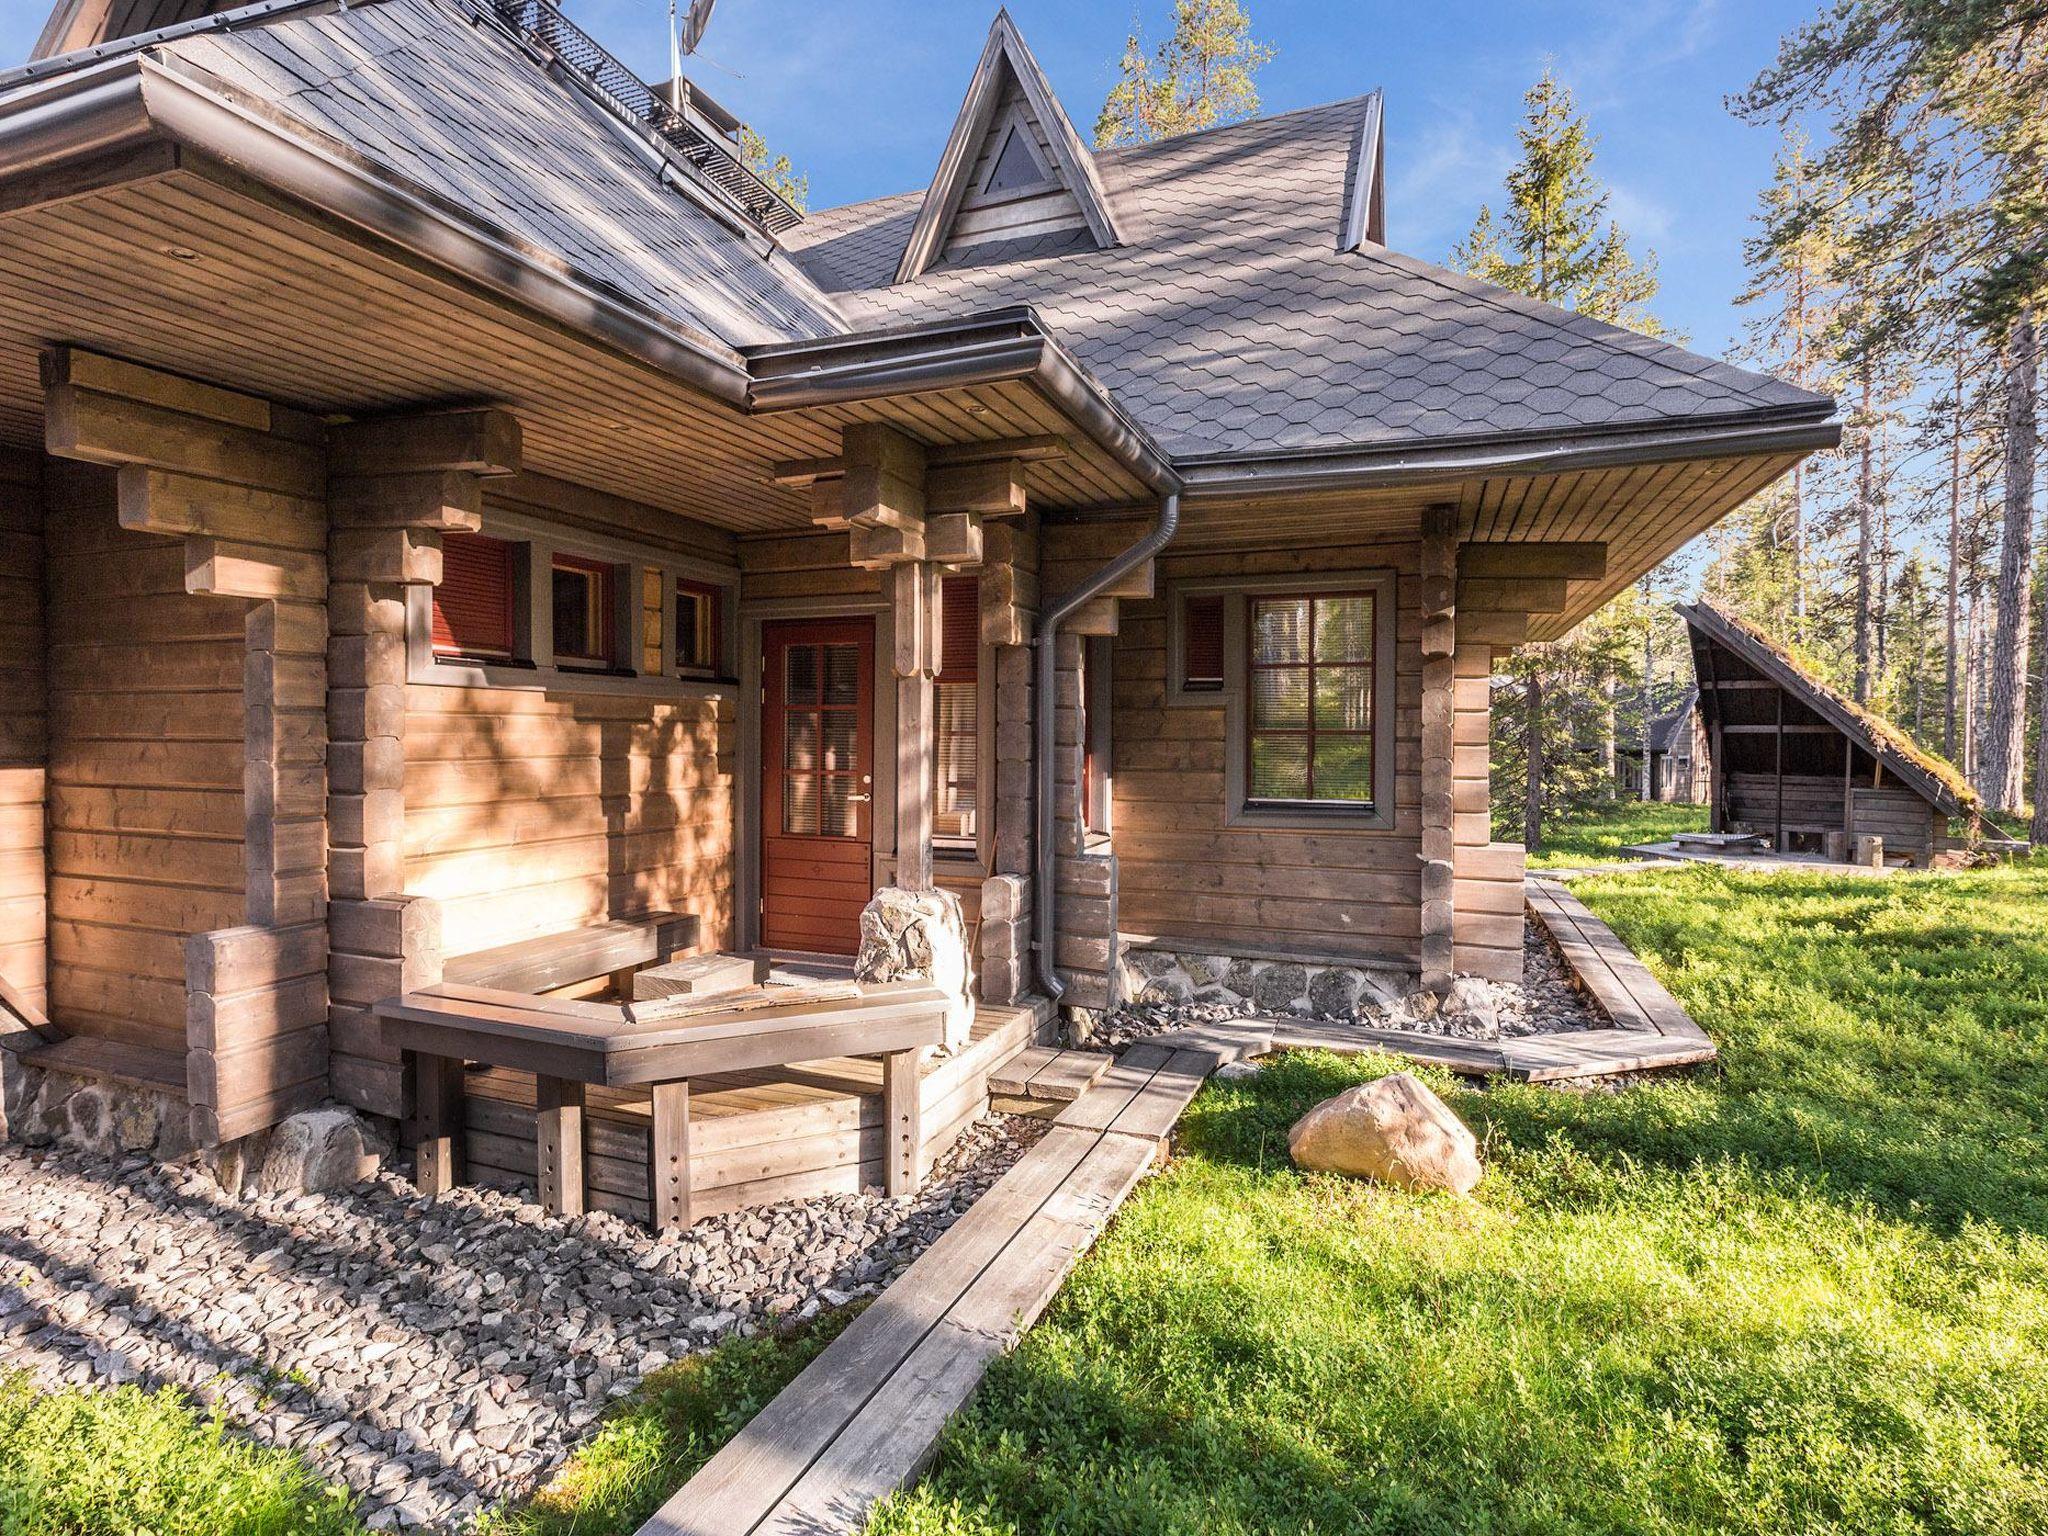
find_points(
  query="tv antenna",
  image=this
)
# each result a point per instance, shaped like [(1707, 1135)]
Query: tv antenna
[(685, 32)]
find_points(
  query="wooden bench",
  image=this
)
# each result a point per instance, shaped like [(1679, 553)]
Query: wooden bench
[(660, 1044), (554, 960)]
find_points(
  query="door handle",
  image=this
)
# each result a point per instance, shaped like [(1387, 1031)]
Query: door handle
[(858, 799)]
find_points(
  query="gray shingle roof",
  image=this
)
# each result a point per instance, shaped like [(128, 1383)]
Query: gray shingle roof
[(1230, 323), (1666, 730), (457, 108)]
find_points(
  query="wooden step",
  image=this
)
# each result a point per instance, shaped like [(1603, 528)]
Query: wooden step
[(114, 1061), (1049, 1074)]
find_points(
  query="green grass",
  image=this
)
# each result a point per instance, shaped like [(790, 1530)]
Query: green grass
[(661, 1435), (130, 1463), (1809, 1293), (1597, 834)]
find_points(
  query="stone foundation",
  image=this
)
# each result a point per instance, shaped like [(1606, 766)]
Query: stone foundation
[(326, 1148), (97, 1116), (1169, 978)]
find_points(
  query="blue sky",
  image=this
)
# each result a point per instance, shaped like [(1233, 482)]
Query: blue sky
[(861, 93)]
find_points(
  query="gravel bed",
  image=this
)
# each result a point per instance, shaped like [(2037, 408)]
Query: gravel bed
[(439, 1358), (1546, 1001)]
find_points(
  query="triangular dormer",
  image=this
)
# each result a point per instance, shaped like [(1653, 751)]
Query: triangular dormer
[(1013, 167), (1365, 186)]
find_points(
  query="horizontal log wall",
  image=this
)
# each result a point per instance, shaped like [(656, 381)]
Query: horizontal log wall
[(1185, 875), (24, 734), (146, 767), (530, 812)]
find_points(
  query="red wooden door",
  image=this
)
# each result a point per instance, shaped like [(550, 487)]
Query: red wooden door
[(817, 783)]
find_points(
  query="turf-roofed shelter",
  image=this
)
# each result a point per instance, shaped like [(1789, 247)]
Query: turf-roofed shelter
[(456, 512), (1797, 761)]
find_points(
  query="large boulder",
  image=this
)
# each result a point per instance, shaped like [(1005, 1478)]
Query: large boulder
[(318, 1149), (1393, 1130), (920, 935)]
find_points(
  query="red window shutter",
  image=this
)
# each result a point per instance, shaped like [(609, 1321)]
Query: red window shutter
[(1202, 644), (960, 624), (473, 603)]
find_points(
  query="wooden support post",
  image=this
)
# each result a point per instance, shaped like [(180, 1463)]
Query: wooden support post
[(668, 1166), (902, 1122), (558, 1134), (437, 1154), (1778, 771), (1439, 709), (915, 591)]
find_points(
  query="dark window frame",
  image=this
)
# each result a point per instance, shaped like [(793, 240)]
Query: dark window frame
[(1311, 732), (713, 597), (603, 581)]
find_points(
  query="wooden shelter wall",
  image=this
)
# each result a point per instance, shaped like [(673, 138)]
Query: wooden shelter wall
[(24, 730), (146, 767)]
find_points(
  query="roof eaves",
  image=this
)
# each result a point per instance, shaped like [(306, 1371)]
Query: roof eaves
[(1800, 429), (42, 67), (142, 96), (997, 346)]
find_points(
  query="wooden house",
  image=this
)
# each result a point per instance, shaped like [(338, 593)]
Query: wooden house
[(1674, 758), (451, 504), (1795, 761)]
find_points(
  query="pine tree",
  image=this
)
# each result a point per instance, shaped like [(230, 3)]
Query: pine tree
[(1202, 76), (776, 171)]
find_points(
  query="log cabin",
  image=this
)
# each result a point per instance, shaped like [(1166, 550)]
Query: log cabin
[(461, 526)]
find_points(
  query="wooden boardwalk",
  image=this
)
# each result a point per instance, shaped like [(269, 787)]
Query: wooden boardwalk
[(862, 1419), (1648, 1028)]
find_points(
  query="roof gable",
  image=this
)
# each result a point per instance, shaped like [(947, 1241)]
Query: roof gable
[(1013, 165), (1365, 185)]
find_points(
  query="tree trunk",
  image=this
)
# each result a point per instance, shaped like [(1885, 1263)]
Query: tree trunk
[(1649, 682), (1955, 562), (2006, 707), (2037, 831), (1532, 746), (1865, 461), (1610, 736)]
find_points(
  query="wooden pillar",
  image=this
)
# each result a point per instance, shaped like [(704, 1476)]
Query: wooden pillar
[(902, 1122), (1778, 770), (668, 1162), (558, 1138), (1439, 589), (438, 1124), (915, 599), (396, 485)]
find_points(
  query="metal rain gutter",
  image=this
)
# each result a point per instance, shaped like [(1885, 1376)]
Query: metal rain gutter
[(1044, 906), (1307, 473), (1002, 346)]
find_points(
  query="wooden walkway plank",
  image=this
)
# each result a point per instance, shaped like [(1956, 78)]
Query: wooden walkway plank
[(1153, 1109), (1625, 987), (893, 1438), (750, 1475), (1050, 1074), (1100, 1105)]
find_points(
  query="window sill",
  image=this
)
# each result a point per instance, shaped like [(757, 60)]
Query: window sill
[(1309, 816), (457, 672)]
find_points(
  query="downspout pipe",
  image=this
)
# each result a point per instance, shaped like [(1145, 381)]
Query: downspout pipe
[(1044, 910)]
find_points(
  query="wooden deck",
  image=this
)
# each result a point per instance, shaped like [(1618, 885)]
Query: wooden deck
[(862, 1419), (755, 1137)]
